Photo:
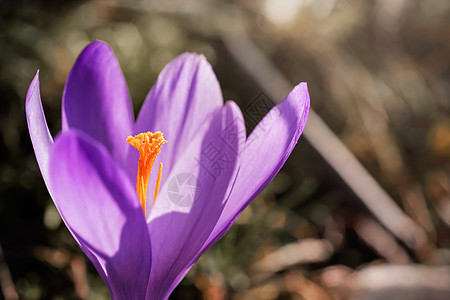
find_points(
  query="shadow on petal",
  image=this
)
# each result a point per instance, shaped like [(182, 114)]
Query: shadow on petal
[(119, 272), (193, 198), (100, 208), (265, 152)]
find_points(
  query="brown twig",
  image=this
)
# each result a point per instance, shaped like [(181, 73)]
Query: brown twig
[(327, 144), (79, 276), (303, 251), (6, 282), (401, 282), (379, 239)]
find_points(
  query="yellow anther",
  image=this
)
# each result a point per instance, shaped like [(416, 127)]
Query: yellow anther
[(148, 144)]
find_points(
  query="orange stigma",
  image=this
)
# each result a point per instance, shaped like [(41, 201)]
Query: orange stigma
[(148, 144)]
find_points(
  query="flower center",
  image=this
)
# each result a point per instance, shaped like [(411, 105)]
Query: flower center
[(148, 144)]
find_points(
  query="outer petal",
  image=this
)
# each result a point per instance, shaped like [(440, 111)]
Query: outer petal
[(37, 126), (186, 92), (100, 208), (266, 150), (192, 199), (96, 99)]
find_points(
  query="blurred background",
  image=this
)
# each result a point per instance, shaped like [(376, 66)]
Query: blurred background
[(378, 72)]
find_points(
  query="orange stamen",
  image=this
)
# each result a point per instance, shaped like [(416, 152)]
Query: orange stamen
[(148, 144), (158, 182)]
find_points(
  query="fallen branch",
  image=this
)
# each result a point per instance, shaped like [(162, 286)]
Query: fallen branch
[(327, 144)]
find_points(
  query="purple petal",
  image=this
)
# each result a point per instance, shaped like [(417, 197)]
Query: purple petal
[(192, 199), (186, 92), (37, 125), (100, 208), (267, 149), (96, 99)]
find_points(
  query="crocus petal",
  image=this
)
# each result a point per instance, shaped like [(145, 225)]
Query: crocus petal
[(192, 199), (100, 208), (186, 92), (96, 99), (37, 125), (266, 150)]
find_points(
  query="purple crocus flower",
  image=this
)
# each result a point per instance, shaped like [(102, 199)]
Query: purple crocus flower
[(211, 169)]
